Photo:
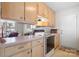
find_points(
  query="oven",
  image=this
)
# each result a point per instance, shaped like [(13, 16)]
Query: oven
[(49, 45), (49, 37)]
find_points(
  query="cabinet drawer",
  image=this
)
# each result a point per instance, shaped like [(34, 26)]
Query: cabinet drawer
[(14, 49), (25, 53), (37, 42)]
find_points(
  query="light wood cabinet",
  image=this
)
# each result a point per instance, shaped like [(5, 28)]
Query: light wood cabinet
[(57, 40), (0, 9), (42, 10), (14, 11), (33, 48), (25, 53), (51, 18), (28, 12), (37, 42), (48, 13), (14, 49), (38, 51), (31, 12)]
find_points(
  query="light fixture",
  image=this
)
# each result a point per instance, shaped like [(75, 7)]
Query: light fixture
[(40, 18)]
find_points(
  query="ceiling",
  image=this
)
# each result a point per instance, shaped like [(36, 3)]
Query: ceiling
[(59, 6)]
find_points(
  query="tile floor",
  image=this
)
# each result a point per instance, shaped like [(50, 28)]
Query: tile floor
[(61, 53)]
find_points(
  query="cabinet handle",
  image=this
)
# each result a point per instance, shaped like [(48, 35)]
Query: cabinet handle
[(42, 46), (28, 52), (21, 47), (21, 17), (39, 41)]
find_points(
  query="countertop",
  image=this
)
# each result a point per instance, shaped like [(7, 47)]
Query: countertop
[(11, 41), (18, 40)]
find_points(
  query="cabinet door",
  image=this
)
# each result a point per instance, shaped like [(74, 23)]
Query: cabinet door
[(38, 51), (30, 12), (13, 10), (57, 40), (26, 53), (0, 9), (51, 18), (46, 12), (42, 10)]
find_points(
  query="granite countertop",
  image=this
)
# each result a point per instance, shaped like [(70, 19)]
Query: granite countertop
[(18, 40)]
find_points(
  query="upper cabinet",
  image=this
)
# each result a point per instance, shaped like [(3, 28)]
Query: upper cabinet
[(28, 12), (31, 10), (11, 10), (0, 9), (42, 10), (51, 18), (46, 12)]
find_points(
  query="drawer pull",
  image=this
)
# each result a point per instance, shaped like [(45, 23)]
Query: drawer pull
[(21, 47), (39, 41), (42, 46), (21, 17), (28, 52)]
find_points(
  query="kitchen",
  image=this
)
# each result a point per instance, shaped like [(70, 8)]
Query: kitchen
[(38, 29)]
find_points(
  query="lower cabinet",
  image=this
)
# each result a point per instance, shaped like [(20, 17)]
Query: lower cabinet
[(26, 53), (9, 51), (57, 41), (38, 51), (31, 49)]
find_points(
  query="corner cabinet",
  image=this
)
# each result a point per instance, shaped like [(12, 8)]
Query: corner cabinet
[(14, 11), (31, 12)]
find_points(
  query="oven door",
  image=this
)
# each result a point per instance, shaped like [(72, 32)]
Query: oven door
[(50, 45)]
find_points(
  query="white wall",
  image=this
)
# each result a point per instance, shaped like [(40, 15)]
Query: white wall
[(61, 16), (63, 13)]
